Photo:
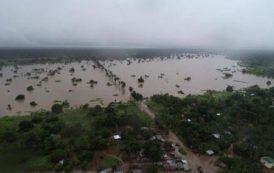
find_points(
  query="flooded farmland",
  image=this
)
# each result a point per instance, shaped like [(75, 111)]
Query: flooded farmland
[(50, 89), (83, 82), (169, 75)]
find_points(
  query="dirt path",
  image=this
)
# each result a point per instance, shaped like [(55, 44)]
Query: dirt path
[(195, 160)]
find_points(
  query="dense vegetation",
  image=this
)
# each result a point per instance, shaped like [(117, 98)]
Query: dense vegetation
[(70, 139), (238, 122), (258, 63)]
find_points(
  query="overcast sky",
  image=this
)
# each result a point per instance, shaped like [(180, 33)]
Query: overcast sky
[(233, 24)]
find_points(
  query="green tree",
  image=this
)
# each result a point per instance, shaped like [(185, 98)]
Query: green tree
[(8, 136), (25, 125), (152, 150), (57, 155), (57, 108)]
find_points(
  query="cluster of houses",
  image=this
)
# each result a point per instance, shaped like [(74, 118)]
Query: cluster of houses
[(173, 160), (173, 165)]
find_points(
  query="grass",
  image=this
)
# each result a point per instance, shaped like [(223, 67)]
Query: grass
[(12, 122), (39, 163), (12, 160), (262, 70), (156, 107), (69, 117), (131, 108), (109, 162), (75, 116), (261, 65)]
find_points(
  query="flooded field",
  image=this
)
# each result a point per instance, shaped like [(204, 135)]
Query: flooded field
[(189, 75), (81, 83), (54, 88)]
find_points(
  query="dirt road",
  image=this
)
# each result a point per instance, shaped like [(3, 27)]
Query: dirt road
[(194, 160)]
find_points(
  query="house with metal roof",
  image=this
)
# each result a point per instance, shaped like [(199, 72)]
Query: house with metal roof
[(267, 162)]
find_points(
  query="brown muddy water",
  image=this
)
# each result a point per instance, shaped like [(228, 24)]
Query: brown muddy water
[(161, 75), (58, 87)]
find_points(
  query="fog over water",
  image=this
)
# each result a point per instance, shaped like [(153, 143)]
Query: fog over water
[(234, 24)]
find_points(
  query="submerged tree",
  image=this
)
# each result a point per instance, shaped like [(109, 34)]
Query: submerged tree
[(20, 97), (123, 84), (71, 70), (141, 79), (33, 104), (30, 88), (130, 89)]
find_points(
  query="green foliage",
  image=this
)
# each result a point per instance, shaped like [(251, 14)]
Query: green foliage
[(169, 109), (52, 138), (25, 125), (39, 163), (109, 162), (237, 165), (57, 155), (261, 63), (57, 108), (8, 136), (242, 118), (136, 96), (45, 138), (132, 146), (152, 150), (94, 111)]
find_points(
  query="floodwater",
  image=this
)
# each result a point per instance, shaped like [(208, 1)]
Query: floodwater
[(205, 73), (58, 87), (161, 75)]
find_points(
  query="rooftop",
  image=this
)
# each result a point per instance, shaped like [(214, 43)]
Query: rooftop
[(117, 137), (268, 159)]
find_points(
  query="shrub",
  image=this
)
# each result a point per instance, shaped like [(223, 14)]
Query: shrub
[(20, 97), (25, 125), (57, 155), (136, 96), (141, 80), (152, 150), (33, 104), (9, 136), (30, 88), (36, 119), (229, 88), (57, 108)]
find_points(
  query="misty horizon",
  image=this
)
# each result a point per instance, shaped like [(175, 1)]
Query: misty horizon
[(211, 24)]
